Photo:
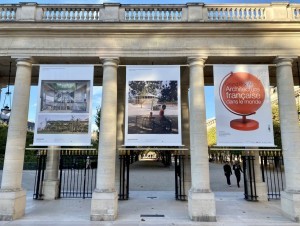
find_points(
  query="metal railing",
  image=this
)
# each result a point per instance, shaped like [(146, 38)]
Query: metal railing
[(112, 12), (272, 168), (78, 170), (249, 178), (180, 193), (41, 157)]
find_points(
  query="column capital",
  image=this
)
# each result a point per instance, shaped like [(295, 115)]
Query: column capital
[(110, 61), (284, 60), (198, 60), (24, 61)]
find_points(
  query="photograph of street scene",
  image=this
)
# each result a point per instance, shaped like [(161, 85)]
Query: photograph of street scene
[(153, 107), (63, 124), (65, 96)]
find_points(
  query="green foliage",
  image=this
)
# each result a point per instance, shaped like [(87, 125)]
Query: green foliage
[(30, 156), (97, 121), (212, 136), (3, 135), (98, 117), (138, 87), (166, 92), (169, 92), (276, 125)]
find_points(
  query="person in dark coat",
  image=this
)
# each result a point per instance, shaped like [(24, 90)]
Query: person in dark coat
[(237, 172), (227, 172)]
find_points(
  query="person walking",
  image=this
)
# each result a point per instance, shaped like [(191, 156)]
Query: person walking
[(227, 172), (237, 172)]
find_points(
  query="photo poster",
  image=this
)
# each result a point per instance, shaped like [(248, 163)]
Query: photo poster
[(153, 106), (64, 105), (243, 106)]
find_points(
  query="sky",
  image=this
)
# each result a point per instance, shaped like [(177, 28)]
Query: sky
[(142, 1)]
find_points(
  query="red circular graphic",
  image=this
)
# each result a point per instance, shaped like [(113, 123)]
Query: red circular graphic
[(242, 93)]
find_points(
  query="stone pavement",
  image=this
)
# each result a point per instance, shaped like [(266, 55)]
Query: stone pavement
[(156, 207)]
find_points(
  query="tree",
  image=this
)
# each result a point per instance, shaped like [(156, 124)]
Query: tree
[(97, 120), (142, 95), (3, 136), (169, 92), (276, 125), (211, 136)]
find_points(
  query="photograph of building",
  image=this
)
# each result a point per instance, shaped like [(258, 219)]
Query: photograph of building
[(64, 96), (62, 124)]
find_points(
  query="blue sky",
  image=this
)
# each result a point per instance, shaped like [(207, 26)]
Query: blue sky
[(143, 1)]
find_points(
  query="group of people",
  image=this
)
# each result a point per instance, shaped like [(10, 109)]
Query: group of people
[(237, 172)]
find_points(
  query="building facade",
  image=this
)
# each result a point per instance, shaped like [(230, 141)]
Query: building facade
[(111, 36)]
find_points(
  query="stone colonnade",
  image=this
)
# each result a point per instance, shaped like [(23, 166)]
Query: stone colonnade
[(104, 204), (12, 195), (290, 134)]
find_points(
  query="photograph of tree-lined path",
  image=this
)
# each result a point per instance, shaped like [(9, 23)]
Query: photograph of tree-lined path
[(153, 107)]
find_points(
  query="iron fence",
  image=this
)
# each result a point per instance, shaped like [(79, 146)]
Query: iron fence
[(179, 177), (39, 174), (78, 169), (272, 169)]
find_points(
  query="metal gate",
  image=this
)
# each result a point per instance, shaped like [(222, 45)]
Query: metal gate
[(272, 168), (249, 178), (77, 173), (125, 160), (179, 177), (39, 174)]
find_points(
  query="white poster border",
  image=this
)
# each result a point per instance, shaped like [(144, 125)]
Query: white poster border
[(62, 72), (227, 136), (153, 73)]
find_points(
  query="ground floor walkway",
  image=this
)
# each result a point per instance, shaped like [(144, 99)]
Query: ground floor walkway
[(150, 206), (155, 208)]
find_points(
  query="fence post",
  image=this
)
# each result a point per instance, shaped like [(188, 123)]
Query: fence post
[(51, 184), (261, 187)]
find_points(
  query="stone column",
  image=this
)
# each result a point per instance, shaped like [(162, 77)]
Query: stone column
[(51, 182), (104, 205), (186, 137), (201, 201), (290, 134), (12, 195), (261, 187), (120, 123)]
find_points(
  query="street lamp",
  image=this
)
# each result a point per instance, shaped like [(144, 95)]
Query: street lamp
[(5, 111)]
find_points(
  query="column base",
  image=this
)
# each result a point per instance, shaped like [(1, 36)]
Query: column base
[(290, 205), (202, 206), (104, 206), (13, 204), (50, 189), (187, 187), (262, 192)]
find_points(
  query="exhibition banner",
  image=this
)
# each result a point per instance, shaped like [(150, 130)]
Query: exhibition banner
[(243, 107), (64, 105), (153, 110)]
